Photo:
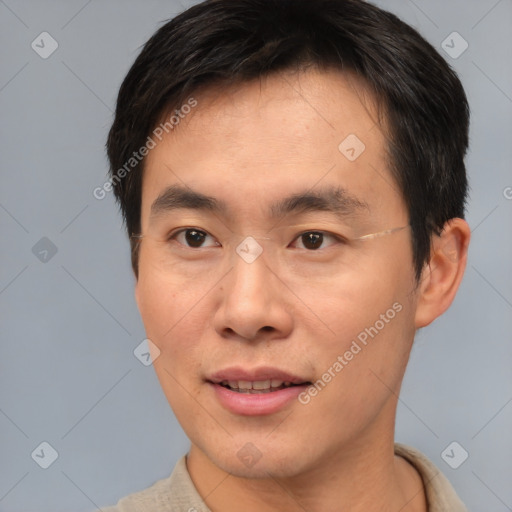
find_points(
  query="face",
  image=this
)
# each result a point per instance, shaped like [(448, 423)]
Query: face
[(254, 271)]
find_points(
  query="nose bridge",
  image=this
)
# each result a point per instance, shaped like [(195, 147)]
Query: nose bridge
[(252, 300), (250, 248), (251, 274)]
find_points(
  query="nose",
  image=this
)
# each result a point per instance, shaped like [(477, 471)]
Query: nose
[(254, 303)]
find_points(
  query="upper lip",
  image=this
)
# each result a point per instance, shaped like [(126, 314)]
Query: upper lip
[(237, 373)]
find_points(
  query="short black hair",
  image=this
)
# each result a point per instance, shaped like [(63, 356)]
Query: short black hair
[(235, 41)]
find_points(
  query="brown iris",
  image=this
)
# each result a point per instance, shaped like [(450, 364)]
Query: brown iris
[(194, 237), (312, 240)]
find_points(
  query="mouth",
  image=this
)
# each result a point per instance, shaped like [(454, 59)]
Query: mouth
[(259, 387), (256, 392)]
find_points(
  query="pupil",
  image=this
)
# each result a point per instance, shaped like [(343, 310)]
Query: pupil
[(195, 238), (312, 240)]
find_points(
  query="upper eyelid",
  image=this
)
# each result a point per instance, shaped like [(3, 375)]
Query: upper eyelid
[(177, 231), (324, 232), (338, 238), (173, 234)]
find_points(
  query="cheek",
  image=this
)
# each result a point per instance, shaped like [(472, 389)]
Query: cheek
[(174, 321), (351, 303), (165, 295), (371, 329), (155, 301)]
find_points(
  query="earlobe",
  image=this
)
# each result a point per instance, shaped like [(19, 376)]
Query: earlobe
[(443, 273)]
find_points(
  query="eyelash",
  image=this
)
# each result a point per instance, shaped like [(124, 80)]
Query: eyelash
[(337, 238)]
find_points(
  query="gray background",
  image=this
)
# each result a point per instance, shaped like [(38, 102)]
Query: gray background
[(69, 324)]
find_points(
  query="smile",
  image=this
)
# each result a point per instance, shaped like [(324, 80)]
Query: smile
[(256, 387)]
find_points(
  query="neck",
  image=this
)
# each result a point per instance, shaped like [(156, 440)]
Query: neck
[(365, 476)]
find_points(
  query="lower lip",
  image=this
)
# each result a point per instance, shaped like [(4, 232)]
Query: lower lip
[(256, 404)]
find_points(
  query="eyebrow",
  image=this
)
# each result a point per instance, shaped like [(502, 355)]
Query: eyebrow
[(336, 200), (328, 199), (179, 197)]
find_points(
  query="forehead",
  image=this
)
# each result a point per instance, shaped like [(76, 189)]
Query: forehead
[(255, 143)]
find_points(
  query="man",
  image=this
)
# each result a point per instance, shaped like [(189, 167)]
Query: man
[(292, 179)]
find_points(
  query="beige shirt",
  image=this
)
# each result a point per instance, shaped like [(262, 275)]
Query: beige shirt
[(178, 494)]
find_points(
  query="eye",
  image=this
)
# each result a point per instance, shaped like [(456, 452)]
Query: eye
[(194, 238), (314, 240)]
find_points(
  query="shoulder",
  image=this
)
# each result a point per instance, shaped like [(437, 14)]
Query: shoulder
[(439, 492), (175, 493)]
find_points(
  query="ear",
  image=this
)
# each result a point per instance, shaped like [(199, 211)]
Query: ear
[(441, 276)]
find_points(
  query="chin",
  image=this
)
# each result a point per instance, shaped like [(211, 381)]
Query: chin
[(251, 462)]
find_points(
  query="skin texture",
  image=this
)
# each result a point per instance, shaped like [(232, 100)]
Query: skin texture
[(206, 309)]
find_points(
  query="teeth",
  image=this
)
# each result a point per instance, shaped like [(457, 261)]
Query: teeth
[(260, 385), (264, 384)]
